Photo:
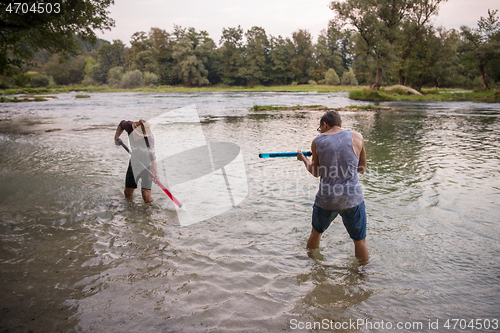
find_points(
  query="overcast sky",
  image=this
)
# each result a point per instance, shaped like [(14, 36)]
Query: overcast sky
[(277, 17)]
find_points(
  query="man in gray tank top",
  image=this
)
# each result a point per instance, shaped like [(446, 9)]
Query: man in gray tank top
[(338, 156)]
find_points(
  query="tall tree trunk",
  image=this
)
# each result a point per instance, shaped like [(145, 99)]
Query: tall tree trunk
[(378, 79), (484, 80), (401, 78), (420, 83)]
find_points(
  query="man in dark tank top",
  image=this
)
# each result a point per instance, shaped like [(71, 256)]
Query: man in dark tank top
[(338, 156)]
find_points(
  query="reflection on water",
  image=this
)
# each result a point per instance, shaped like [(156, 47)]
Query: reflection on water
[(76, 255), (337, 288)]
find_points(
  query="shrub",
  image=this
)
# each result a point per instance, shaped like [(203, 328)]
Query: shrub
[(150, 79), (66, 72), (331, 77), (95, 71), (115, 76), (41, 80), (88, 81), (6, 82), (132, 79), (477, 83), (349, 79), (312, 83), (21, 80)]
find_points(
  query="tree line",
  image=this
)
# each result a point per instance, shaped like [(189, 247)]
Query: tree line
[(371, 42), (189, 57)]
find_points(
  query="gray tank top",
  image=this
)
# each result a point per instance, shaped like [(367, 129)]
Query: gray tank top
[(339, 187)]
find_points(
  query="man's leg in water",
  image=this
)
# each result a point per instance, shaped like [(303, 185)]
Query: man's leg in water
[(361, 250), (146, 195), (314, 239), (129, 192)]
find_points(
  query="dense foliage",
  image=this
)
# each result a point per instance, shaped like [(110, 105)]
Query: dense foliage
[(376, 42), (28, 26)]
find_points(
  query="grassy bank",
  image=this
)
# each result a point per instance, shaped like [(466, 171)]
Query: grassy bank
[(488, 96), (356, 93), (368, 107), (25, 99), (104, 89), (287, 108)]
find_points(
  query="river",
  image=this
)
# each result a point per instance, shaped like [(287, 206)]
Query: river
[(76, 255)]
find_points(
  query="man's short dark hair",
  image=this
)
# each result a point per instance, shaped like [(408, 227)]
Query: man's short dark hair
[(332, 118)]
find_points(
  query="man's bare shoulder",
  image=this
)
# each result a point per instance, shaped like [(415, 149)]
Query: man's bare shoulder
[(357, 135), (357, 142)]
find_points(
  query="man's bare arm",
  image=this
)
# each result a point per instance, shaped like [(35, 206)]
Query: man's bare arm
[(311, 166), (358, 145), (362, 165), (118, 132)]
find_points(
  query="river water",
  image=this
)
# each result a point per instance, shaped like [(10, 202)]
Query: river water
[(76, 255)]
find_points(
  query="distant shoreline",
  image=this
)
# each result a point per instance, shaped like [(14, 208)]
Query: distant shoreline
[(355, 92), (369, 107), (105, 89)]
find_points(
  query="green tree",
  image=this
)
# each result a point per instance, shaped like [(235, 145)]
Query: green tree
[(145, 61), (482, 45), (325, 58), (302, 64), (206, 52), (115, 76), (150, 79), (188, 68), (41, 80), (256, 54), (142, 54), (196, 37), (89, 47), (90, 72), (39, 59), (332, 49), (194, 56), (66, 72), (446, 71), (22, 34), (231, 51), (280, 54), (377, 23), (111, 55), (214, 66), (163, 44), (95, 72), (132, 79), (331, 77), (349, 79), (433, 59), (379, 26), (414, 27)]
